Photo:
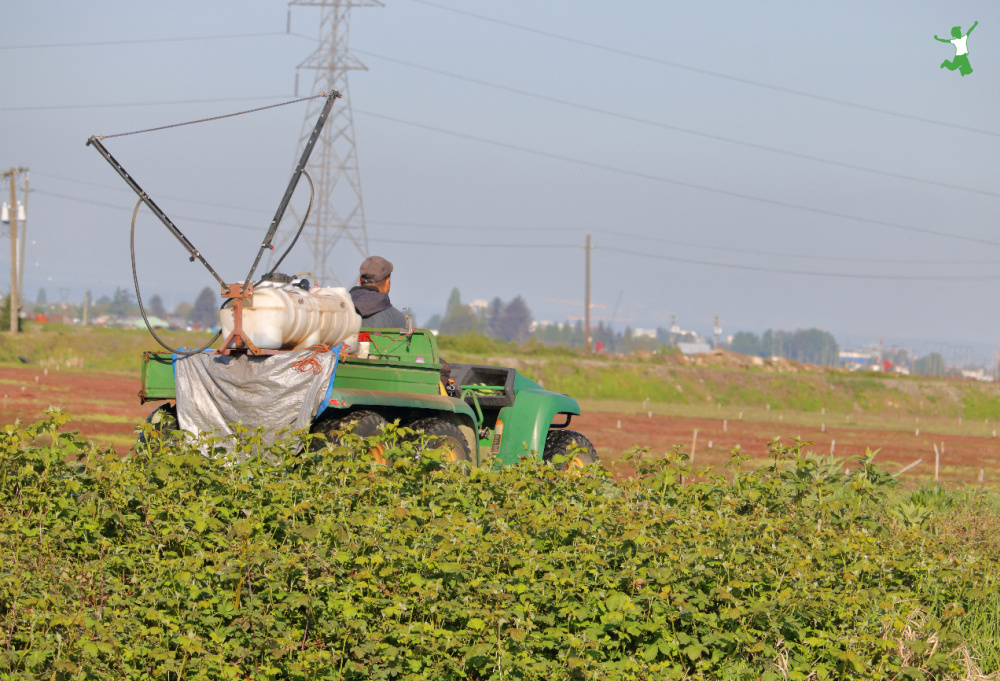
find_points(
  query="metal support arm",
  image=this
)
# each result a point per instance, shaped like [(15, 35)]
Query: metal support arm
[(194, 253), (293, 182)]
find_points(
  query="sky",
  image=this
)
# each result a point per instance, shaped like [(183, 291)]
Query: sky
[(777, 164)]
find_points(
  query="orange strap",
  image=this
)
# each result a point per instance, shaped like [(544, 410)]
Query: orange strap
[(311, 362)]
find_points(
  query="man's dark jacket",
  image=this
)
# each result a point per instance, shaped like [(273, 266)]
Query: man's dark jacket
[(375, 309)]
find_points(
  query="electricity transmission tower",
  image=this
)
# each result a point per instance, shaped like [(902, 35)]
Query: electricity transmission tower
[(338, 213)]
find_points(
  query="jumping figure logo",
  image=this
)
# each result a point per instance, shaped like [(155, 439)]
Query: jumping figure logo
[(961, 60)]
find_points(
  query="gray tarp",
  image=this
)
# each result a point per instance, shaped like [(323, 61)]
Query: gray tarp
[(214, 391)]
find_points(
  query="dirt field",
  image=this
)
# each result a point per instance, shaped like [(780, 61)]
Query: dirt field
[(104, 408)]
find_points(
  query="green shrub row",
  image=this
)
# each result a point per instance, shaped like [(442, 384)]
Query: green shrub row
[(169, 564)]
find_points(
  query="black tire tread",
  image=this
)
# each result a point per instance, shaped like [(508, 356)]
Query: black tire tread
[(438, 431), (559, 443), (366, 424)]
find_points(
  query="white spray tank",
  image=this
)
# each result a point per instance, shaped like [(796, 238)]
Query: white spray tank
[(281, 315)]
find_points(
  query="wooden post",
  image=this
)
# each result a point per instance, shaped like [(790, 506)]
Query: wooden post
[(694, 444), (14, 293), (586, 302), (24, 239), (937, 462)]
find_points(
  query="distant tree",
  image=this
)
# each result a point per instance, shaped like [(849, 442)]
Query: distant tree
[(434, 322), (42, 298), (494, 318), (206, 309), (813, 346), (514, 321), (605, 336), (183, 310), (156, 307), (103, 300), (747, 343), (931, 365), (121, 304), (458, 318)]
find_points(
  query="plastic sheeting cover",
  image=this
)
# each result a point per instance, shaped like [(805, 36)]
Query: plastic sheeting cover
[(215, 391)]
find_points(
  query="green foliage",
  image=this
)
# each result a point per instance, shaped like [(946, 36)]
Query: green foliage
[(931, 365), (459, 318), (206, 309), (325, 565), (89, 347), (979, 405), (812, 346), (747, 343)]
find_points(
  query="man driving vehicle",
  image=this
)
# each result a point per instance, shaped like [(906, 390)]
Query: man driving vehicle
[(371, 296)]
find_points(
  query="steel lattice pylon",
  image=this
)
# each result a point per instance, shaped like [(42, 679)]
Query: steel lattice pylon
[(338, 212)]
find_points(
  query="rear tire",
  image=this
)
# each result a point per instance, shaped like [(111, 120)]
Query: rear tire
[(569, 443), (365, 424), (444, 436), (163, 419)]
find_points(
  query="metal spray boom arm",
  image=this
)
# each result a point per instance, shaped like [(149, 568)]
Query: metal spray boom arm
[(96, 143), (330, 99)]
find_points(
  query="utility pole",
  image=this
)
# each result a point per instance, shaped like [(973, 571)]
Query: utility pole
[(586, 301), (24, 238), (717, 330), (15, 289), (338, 212), (86, 307)]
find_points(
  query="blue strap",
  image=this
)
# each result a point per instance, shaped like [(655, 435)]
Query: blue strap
[(329, 388)]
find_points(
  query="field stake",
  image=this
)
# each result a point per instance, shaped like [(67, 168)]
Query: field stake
[(725, 426), (694, 443), (741, 416), (918, 432), (937, 462), (903, 470), (822, 428), (981, 475), (619, 424), (833, 445)]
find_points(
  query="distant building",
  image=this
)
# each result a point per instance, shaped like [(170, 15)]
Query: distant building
[(694, 348)]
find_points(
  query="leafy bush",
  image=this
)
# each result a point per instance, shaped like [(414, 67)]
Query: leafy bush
[(325, 565)]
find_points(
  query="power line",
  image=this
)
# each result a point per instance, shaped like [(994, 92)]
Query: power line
[(690, 261), (143, 41), (707, 72), (474, 228), (796, 256), (807, 273), (681, 183), (212, 204), (677, 128), (60, 107)]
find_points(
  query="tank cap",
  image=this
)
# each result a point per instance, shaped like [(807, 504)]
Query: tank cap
[(277, 278)]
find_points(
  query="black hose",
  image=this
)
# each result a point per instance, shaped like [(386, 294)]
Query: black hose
[(312, 194), (142, 310)]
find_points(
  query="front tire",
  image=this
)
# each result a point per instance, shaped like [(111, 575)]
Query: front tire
[(578, 450)]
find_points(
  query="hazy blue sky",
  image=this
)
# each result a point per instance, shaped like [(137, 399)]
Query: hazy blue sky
[(705, 153)]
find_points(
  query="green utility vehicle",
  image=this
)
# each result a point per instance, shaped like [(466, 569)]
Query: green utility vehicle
[(481, 411)]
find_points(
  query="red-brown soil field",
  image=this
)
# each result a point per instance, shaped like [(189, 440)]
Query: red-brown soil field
[(105, 408)]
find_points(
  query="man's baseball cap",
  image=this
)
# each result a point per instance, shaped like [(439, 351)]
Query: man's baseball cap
[(375, 269)]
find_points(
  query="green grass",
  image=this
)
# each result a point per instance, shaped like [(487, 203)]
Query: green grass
[(93, 348), (662, 378)]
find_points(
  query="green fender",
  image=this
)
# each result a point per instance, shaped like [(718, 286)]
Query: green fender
[(526, 423)]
